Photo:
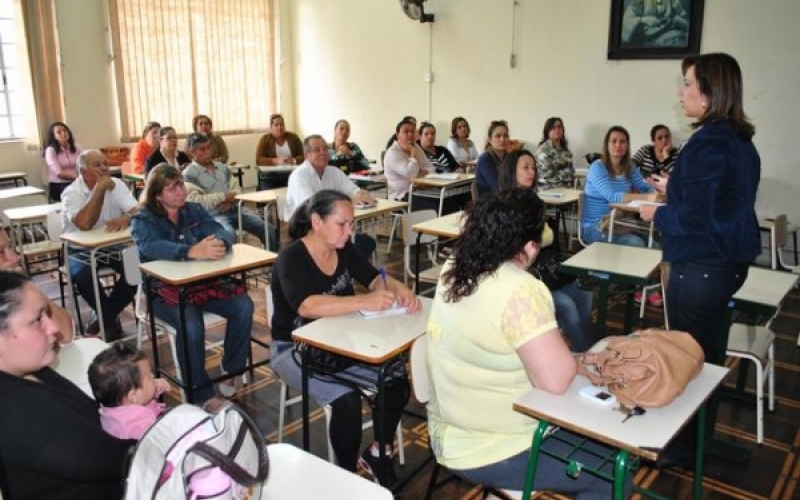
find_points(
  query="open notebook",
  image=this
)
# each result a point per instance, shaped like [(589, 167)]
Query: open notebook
[(392, 311)]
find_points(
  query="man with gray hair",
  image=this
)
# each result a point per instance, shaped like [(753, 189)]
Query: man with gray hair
[(95, 200)]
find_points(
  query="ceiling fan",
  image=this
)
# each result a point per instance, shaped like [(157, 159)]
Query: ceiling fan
[(415, 10)]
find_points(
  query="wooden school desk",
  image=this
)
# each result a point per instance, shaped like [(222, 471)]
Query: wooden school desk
[(562, 199), (447, 187), (269, 199), (448, 226), (18, 178), (19, 217)]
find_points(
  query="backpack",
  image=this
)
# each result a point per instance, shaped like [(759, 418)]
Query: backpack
[(189, 453)]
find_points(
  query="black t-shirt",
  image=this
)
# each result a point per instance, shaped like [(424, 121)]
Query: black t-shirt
[(297, 277)]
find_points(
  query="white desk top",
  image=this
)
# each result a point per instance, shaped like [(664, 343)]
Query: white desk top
[(644, 435), (241, 258), (616, 259), (73, 361), (34, 212), (277, 168), (12, 175), (581, 171), (239, 167), (382, 207), (371, 340), (16, 192), (559, 196), (96, 238), (766, 287), (447, 226), (462, 179), (265, 196), (294, 473)]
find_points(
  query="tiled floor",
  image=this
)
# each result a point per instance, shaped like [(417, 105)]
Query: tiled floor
[(772, 472)]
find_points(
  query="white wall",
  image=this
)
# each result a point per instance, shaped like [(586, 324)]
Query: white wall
[(362, 59)]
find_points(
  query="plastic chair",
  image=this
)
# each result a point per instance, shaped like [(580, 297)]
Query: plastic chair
[(285, 401), (747, 342), (781, 232), (133, 276), (430, 275)]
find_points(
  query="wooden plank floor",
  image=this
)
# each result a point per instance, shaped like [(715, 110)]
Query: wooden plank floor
[(773, 471)]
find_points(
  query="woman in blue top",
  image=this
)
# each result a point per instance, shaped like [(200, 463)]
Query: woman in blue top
[(489, 161), (612, 179), (709, 226)]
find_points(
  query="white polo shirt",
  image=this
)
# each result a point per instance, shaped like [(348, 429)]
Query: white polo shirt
[(304, 182), (116, 203)]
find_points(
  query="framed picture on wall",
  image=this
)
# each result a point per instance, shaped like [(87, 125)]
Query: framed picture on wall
[(655, 29)]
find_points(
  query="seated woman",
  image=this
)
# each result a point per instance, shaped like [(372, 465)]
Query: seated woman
[(553, 157), (439, 156), (313, 278), (404, 161), (460, 145), (50, 435), (277, 148), (573, 304), (658, 157), (345, 155), (61, 157), (492, 326), (167, 227), (490, 161), (612, 179), (407, 118), (202, 124), (167, 151), (145, 147)]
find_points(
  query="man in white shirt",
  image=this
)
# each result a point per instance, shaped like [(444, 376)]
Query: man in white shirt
[(315, 175), (95, 200)]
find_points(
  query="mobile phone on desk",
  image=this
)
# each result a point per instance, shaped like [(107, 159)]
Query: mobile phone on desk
[(598, 395)]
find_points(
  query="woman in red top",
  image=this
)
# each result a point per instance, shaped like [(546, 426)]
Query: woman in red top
[(145, 147)]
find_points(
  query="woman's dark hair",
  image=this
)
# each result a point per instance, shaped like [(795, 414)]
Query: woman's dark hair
[(719, 78), (52, 141), (322, 204), (492, 126), (497, 228), (400, 125), (508, 170), (201, 117), (158, 178), (548, 126), (454, 126), (625, 163), (166, 130), (11, 285), (114, 373), (275, 116), (422, 128), (148, 127), (655, 129)]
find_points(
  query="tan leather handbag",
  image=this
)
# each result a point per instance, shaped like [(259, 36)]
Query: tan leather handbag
[(648, 368)]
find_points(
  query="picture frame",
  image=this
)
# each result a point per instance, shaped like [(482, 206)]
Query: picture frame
[(655, 29)]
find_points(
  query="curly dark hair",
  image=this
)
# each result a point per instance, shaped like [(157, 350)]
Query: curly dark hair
[(497, 228)]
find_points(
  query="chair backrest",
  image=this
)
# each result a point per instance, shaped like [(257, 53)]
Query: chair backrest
[(269, 303), (280, 202), (130, 264), (420, 379), (664, 272), (592, 157), (780, 234), (54, 226)]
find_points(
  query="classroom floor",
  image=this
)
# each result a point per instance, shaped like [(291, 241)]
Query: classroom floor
[(772, 471)]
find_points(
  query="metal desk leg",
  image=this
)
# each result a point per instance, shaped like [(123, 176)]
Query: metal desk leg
[(533, 460), (416, 264), (381, 416), (96, 284), (621, 466), (187, 362), (441, 200), (239, 214), (697, 485), (306, 424), (153, 334)]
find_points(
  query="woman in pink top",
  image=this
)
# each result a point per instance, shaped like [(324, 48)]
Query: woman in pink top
[(122, 382), (61, 155)]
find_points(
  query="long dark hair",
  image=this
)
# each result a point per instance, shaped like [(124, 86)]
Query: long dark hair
[(548, 126), (322, 204), (625, 162), (11, 285), (719, 78), (508, 170), (492, 126), (53, 142), (497, 228)]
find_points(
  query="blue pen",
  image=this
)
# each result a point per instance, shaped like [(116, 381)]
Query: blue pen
[(383, 277)]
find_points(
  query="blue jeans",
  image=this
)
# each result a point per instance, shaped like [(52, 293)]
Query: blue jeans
[(592, 233), (237, 310), (698, 294), (121, 295), (510, 473), (251, 223), (573, 313)]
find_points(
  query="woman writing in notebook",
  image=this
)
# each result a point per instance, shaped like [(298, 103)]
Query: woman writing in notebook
[(313, 278)]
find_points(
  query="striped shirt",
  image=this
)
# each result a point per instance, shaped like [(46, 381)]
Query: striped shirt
[(601, 189)]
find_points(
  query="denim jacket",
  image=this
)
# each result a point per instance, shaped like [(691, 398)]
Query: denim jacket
[(157, 238)]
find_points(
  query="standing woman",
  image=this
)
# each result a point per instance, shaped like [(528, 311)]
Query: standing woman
[(439, 156), (145, 147), (709, 226), (553, 157), (461, 145), (658, 157), (202, 124), (61, 156), (345, 155), (490, 161), (167, 151)]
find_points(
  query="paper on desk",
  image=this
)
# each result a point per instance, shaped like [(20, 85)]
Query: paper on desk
[(392, 311), (366, 204), (639, 203), (450, 176)]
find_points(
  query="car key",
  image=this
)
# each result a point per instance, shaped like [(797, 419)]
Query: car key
[(633, 412)]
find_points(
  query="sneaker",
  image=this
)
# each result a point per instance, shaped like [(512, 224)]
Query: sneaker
[(655, 299), (228, 388), (370, 464), (638, 297)]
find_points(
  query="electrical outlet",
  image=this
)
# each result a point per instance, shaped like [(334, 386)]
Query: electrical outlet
[(428, 76)]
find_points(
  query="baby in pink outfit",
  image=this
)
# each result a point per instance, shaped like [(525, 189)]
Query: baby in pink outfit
[(122, 382)]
